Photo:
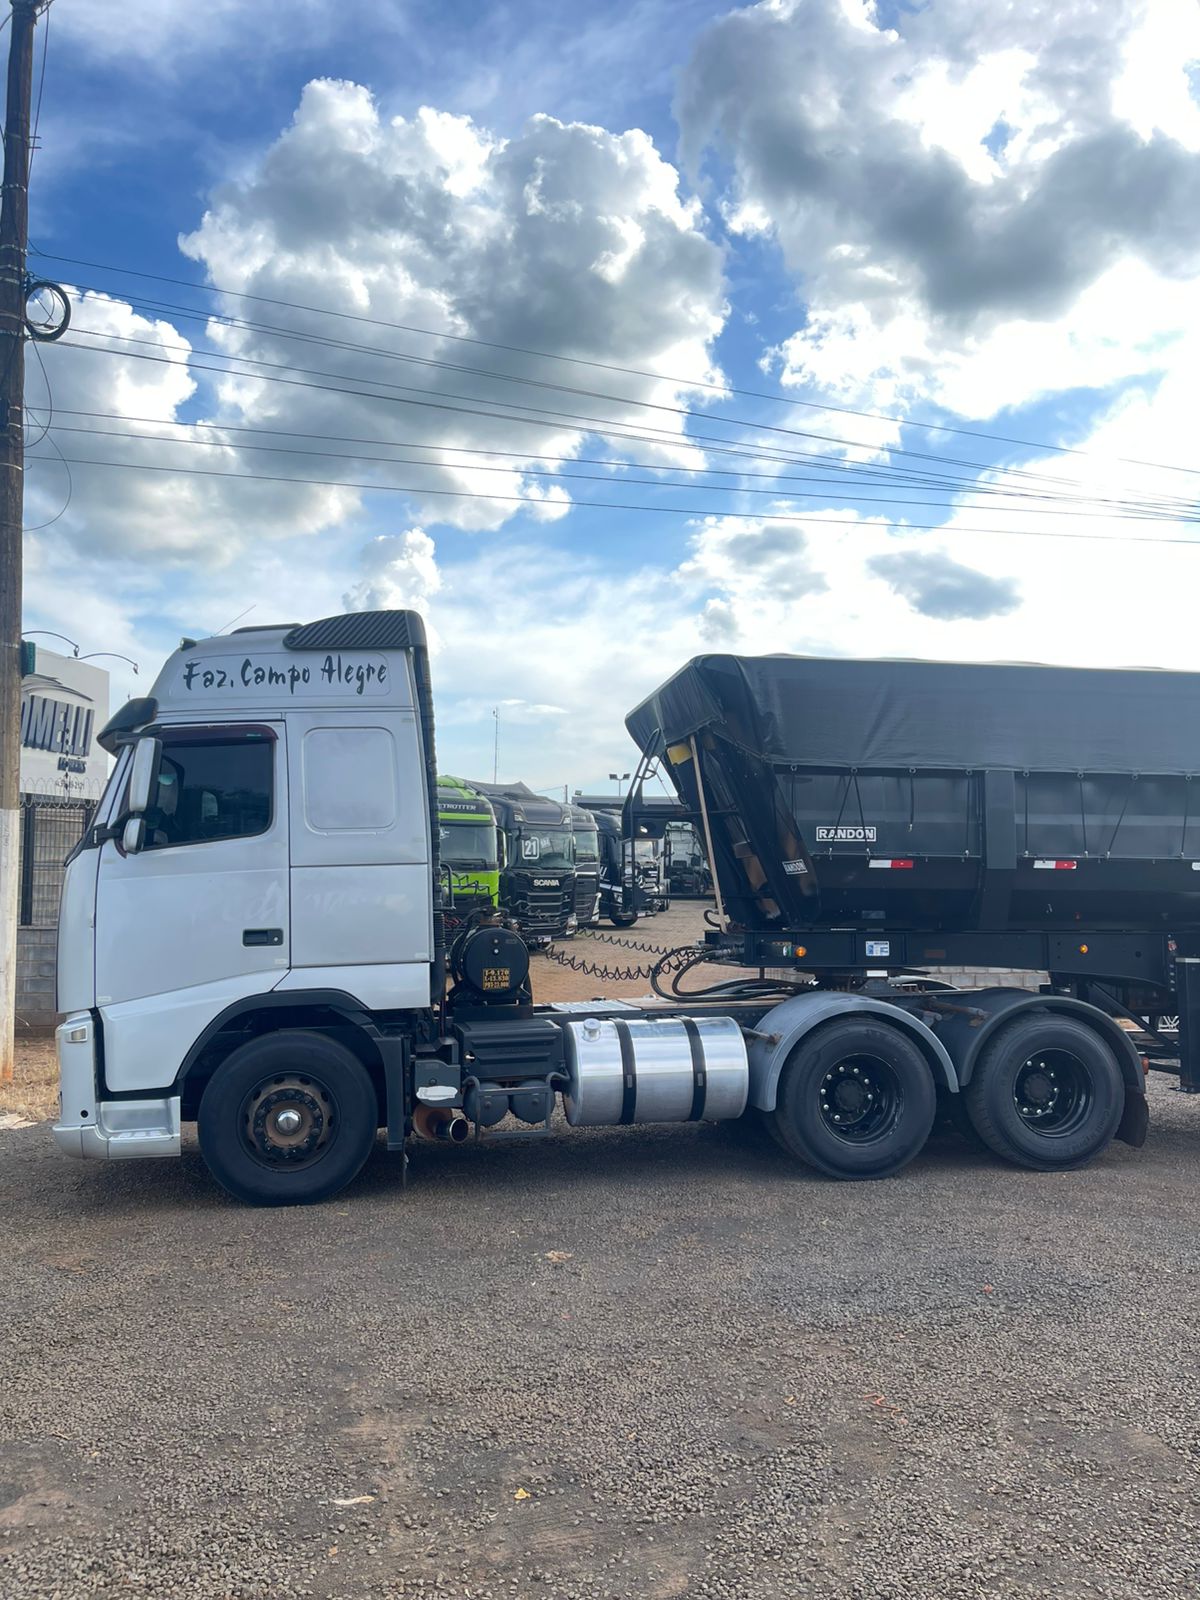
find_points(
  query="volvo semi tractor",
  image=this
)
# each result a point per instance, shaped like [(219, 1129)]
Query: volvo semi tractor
[(253, 935), (467, 845), (585, 836), (537, 861)]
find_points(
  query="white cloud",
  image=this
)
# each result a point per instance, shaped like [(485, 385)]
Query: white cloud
[(163, 36), (114, 368), (401, 574), (967, 200), (568, 239)]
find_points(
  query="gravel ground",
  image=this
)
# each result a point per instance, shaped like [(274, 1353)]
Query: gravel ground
[(33, 1095), (615, 1363)]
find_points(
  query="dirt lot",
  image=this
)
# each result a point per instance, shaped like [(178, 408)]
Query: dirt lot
[(628, 1363)]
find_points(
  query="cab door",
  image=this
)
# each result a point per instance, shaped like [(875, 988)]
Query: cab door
[(361, 893), (199, 916)]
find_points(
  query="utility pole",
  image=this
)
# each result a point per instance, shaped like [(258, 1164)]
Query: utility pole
[(14, 238), (496, 746)]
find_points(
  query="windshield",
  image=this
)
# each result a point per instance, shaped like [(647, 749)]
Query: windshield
[(468, 844), (587, 845), (545, 847)]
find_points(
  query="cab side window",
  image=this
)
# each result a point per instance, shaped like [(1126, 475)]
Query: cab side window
[(211, 789)]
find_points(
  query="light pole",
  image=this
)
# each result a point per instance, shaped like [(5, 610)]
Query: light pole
[(618, 778), (113, 656)]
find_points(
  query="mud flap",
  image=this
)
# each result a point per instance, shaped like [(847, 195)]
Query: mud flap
[(1135, 1120)]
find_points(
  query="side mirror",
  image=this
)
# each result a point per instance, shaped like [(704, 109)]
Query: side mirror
[(134, 836), (146, 756)]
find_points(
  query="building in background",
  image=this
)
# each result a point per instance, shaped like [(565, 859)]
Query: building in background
[(64, 704)]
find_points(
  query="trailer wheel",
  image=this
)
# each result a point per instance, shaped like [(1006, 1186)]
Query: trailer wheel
[(856, 1100), (287, 1119), (1046, 1093)]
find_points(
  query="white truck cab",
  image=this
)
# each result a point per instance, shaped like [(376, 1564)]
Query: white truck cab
[(265, 836)]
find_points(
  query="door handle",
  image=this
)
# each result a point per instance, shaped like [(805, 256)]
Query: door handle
[(262, 935)]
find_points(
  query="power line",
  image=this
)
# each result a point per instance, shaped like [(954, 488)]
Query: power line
[(694, 512), (37, 115), (307, 336), (607, 366), (829, 474), (401, 394), (613, 429), (648, 405), (157, 307), (39, 527), (590, 477)]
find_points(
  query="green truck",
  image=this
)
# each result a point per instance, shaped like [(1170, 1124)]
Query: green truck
[(467, 828)]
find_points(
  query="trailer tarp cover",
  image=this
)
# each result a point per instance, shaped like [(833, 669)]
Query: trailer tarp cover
[(906, 714)]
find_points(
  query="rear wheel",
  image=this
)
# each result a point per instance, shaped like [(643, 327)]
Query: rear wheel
[(287, 1119), (856, 1100), (1046, 1093)]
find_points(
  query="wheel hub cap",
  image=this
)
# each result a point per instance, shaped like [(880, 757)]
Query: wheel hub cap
[(287, 1121), (859, 1099), (1053, 1092)]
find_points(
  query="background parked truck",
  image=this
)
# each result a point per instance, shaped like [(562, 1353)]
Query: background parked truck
[(537, 860), (468, 848), (585, 835)]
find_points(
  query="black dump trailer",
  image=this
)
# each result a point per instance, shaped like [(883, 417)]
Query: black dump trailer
[(893, 817)]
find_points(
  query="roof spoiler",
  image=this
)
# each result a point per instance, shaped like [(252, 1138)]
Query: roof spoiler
[(120, 728)]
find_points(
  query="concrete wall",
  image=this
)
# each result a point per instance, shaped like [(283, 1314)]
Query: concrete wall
[(989, 977), (36, 950)]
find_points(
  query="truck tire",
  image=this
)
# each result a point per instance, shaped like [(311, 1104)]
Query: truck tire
[(287, 1119), (622, 919), (1046, 1093), (856, 1100)]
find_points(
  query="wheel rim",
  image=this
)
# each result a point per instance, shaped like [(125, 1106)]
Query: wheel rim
[(860, 1099), (1053, 1093), (287, 1121)]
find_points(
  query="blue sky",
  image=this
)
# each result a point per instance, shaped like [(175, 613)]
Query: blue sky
[(805, 198)]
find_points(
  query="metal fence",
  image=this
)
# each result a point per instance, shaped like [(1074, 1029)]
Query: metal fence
[(50, 830)]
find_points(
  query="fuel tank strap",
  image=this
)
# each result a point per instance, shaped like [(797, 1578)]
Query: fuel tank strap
[(699, 1075), (628, 1072)]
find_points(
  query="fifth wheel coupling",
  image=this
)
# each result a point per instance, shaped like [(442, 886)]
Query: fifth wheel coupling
[(650, 1069)]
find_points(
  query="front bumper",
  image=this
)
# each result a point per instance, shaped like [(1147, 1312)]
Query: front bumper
[(105, 1130)]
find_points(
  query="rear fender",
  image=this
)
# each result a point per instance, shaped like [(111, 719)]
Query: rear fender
[(786, 1024)]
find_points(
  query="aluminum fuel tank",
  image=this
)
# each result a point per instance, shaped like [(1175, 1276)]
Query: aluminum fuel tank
[(650, 1069)]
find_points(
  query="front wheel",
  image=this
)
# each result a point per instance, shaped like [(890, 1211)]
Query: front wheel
[(287, 1119), (1046, 1093), (856, 1100), (622, 919)]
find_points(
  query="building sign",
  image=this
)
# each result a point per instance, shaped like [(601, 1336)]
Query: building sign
[(48, 724), (64, 704)]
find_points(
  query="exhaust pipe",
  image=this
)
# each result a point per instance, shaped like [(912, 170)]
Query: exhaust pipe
[(440, 1122)]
